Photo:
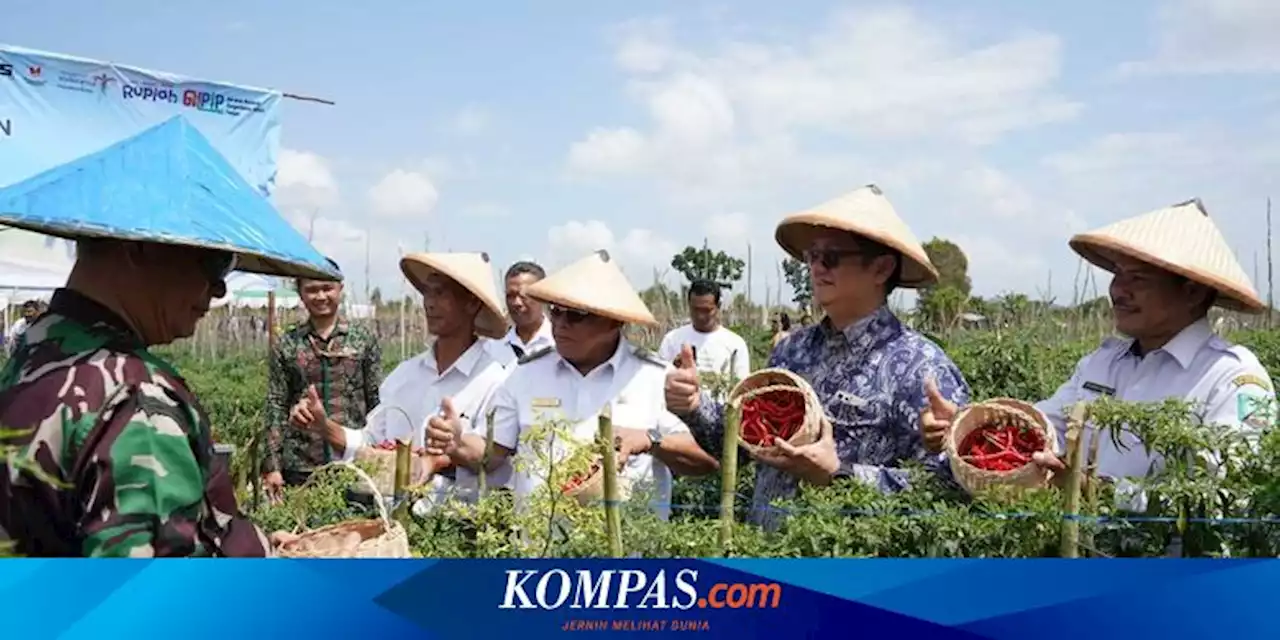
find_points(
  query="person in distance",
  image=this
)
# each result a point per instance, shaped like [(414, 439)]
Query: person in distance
[(1170, 267)]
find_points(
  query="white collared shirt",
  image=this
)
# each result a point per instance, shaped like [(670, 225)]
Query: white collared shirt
[(632, 384), (1225, 383), (417, 388), (541, 340)]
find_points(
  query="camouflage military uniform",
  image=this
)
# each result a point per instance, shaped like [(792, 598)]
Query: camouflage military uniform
[(346, 370), (126, 441)]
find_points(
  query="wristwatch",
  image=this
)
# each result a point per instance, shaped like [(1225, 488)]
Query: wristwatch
[(655, 439)]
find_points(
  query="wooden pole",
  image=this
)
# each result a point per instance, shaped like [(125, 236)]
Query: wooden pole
[(271, 321), (612, 512)]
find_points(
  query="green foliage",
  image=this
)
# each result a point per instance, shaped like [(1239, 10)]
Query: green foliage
[(716, 266), (844, 519), (796, 273)]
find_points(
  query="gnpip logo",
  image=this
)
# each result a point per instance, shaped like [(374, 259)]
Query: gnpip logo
[(624, 589), (204, 100)]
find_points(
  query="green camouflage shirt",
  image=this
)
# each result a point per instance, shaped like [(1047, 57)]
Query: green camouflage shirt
[(112, 452), (346, 370)]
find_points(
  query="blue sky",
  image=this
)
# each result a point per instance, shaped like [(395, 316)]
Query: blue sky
[(550, 129)]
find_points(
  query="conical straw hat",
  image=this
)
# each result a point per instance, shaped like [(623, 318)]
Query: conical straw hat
[(471, 270), (596, 285), (1181, 239), (867, 213)]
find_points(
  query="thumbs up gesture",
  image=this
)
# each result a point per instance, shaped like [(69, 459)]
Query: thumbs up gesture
[(444, 430), (935, 419), (681, 386), (309, 411)]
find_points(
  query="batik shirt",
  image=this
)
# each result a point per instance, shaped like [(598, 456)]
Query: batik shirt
[(346, 369), (121, 449), (870, 380)]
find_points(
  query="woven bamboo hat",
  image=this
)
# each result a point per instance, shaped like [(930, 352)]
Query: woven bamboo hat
[(471, 270), (596, 285), (867, 213), (1181, 239)]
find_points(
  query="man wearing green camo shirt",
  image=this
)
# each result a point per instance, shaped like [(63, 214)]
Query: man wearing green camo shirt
[(342, 362), (89, 406)]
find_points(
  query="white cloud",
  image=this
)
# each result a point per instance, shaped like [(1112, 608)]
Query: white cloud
[(639, 253), (1213, 36), (1002, 195), (404, 194), (619, 150), (729, 231), (304, 179), (470, 120)]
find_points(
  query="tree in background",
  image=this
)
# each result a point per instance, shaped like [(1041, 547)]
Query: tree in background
[(796, 274), (716, 266), (941, 304)]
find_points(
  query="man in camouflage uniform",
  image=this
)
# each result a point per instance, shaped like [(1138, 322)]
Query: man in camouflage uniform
[(340, 363), (113, 454)]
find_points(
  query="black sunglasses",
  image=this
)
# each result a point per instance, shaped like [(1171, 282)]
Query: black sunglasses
[(828, 258), (571, 316)]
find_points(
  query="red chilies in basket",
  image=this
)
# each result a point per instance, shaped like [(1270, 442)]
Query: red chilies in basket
[(1001, 447), (771, 416)]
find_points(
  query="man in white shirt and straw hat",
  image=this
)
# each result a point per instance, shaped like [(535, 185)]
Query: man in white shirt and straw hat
[(864, 365), (457, 374), (591, 366), (1170, 267)]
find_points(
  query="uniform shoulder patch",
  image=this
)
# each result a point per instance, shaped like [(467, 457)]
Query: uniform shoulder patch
[(649, 356), (1250, 379), (530, 357)]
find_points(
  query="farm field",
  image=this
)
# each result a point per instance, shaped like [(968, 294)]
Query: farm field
[(844, 519)]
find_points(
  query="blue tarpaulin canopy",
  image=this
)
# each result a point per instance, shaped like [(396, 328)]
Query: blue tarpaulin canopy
[(167, 184)]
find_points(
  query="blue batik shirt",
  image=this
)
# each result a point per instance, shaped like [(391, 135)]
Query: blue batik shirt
[(870, 380)]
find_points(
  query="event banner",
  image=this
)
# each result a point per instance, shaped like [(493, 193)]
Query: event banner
[(529, 599), (56, 108)]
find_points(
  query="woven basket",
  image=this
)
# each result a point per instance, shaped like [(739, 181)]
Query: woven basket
[(767, 380), (380, 538), (592, 489), (384, 465), (997, 411)]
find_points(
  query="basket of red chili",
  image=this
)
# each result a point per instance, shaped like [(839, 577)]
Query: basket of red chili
[(588, 487), (991, 443), (776, 405)]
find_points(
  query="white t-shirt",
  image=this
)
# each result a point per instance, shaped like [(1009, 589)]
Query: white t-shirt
[(721, 351)]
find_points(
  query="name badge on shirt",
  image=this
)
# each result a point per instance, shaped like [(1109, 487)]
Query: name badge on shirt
[(546, 403), (1099, 388), (844, 397)]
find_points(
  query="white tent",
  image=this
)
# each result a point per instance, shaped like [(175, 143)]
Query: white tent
[(32, 265), (250, 290), (32, 261)]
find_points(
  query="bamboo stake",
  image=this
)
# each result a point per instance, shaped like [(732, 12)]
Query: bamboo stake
[(612, 517), (1091, 484), (1070, 545), (729, 475), (488, 449)]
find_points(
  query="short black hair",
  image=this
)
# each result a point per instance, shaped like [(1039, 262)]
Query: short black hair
[(704, 287), (31, 304), (297, 282), (784, 321), (524, 266), (869, 250)]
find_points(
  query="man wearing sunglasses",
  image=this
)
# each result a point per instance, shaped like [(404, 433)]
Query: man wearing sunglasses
[(592, 366), (866, 367), (338, 363)]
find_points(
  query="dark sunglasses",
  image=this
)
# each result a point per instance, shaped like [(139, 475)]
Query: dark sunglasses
[(828, 258), (217, 266), (571, 316)]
